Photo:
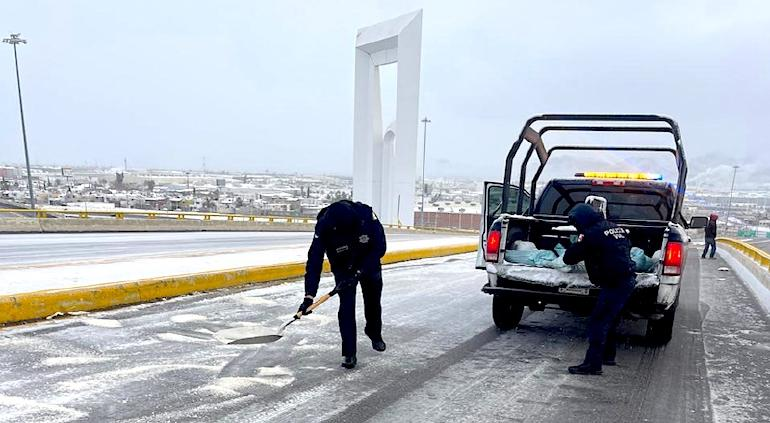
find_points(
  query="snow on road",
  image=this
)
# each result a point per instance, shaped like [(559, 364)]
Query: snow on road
[(31, 277), (445, 360), (737, 340)]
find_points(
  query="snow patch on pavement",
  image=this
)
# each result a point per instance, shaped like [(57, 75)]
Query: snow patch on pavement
[(256, 301), (760, 291), (107, 380), (17, 409), (185, 318), (72, 361), (102, 323), (232, 386), (176, 337)]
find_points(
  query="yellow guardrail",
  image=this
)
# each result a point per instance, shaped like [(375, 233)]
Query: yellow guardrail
[(37, 305), (759, 256), (154, 214)]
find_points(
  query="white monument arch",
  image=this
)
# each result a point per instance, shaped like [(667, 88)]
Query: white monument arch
[(385, 161)]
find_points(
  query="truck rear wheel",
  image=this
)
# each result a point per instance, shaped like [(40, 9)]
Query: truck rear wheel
[(505, 312), (659, 332)]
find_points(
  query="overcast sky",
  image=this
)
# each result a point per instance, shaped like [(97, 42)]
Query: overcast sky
[(255, 85)]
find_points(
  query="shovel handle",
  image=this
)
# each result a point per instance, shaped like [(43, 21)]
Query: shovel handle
[(313, 306), (319, 302)]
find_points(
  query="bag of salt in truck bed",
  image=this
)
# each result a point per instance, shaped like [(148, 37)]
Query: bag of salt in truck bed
[(526, 253), (643, 263)]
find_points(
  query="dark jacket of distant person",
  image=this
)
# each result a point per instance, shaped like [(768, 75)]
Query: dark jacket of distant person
[(351, 236), (605, 248), (711, 227)]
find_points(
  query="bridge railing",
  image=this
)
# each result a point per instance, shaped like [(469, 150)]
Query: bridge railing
[(190, 215), (760, 257), (155, 214)]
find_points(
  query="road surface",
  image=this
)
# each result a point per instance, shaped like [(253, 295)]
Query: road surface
[(763, 244), (20, 249), (445, 360)]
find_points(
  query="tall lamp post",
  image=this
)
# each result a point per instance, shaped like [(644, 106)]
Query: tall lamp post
[(730, 203), (425, 121), (14, 40)]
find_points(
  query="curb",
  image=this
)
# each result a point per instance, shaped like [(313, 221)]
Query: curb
[(40, 304)]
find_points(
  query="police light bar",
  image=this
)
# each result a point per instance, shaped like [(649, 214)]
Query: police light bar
[(621, 175)]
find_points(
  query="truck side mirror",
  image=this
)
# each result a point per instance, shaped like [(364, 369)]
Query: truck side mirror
[(698, 222)]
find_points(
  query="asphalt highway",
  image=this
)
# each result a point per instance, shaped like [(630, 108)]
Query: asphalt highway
[(19, 249), (445, 359)]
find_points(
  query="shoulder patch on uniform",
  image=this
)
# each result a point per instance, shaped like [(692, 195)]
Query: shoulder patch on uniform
[(363, 239)]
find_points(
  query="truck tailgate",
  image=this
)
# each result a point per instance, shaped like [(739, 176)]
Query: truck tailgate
[(555, 278)]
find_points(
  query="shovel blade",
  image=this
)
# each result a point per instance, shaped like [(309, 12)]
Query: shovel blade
[(264, 339)]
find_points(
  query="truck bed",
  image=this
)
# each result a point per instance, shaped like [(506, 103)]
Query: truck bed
[(555, 278)]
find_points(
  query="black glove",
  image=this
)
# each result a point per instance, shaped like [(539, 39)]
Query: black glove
[(307, 302)]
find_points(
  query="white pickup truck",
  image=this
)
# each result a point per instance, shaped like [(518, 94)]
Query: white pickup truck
[(647, 207)]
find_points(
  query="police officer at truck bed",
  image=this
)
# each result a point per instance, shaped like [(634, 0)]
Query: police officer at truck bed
[(353, 239), (606, 251)]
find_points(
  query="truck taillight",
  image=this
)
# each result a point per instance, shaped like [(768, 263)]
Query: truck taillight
[(672, 262), (493, 245)]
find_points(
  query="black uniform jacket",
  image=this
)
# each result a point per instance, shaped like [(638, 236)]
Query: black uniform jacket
[(351, 236), (605, 248)]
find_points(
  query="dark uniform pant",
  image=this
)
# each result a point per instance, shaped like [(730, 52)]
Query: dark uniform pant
[(604, 322), (371, 287), (710, 242)]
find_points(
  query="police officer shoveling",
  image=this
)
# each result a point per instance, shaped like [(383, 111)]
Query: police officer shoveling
[(605, 249), (353, 239)]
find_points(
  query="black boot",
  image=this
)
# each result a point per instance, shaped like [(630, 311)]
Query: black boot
[(584, 369), (378, 345), (609, 362), (349, 361)]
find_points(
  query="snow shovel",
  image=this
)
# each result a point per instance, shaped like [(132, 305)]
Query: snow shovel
[(258, 335)]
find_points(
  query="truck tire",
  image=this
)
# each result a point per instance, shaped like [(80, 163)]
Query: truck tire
[(659, 332), (505, 312)]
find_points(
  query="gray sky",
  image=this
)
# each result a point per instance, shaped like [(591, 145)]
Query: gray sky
[(254, 85)]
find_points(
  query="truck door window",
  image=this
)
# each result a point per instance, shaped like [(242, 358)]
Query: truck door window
[(495, 199)]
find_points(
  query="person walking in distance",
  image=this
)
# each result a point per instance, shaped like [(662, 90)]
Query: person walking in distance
[(606, 251), (352, 237), (711, 236)]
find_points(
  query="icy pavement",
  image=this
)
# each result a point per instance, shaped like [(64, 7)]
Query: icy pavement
[(445, 360), (737, 338), (56, 261)]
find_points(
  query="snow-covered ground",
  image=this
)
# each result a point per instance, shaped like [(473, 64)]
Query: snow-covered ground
[(445, 361), (59, 273)]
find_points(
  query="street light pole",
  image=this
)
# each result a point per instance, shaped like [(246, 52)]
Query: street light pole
[(730, 203), (425, 122), (13, 40)]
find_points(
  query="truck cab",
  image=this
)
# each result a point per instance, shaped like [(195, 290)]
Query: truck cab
[(522, 233)]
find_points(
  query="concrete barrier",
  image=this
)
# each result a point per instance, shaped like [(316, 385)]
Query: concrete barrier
[(38, 305)]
